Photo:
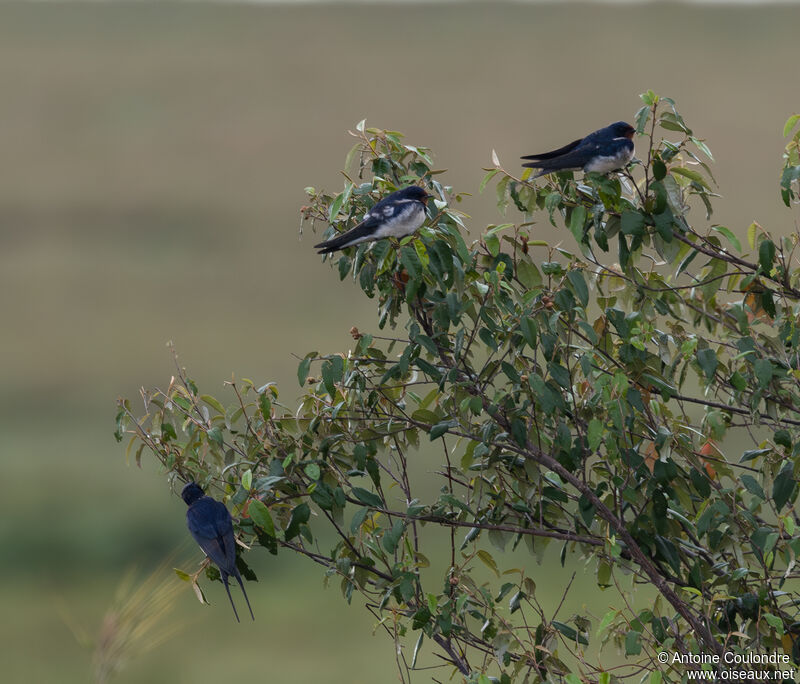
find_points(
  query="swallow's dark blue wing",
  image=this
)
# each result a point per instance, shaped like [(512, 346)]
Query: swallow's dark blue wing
[(554, 153), (210, 524), (572, 160), (363, 231)]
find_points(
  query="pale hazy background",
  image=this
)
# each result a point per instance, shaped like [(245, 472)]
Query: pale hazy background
[(152, 165)]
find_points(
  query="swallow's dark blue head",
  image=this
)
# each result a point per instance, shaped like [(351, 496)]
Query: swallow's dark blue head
[(191, 493), (413, 192), (620, 129)]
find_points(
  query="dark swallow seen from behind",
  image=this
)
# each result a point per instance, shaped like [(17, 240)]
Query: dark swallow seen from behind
[(396, 215), (211, 526), (605, 150)]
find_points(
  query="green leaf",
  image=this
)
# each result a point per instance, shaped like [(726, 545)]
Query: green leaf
[(560, 374), (313, 471), (392, 537), (336, 207), (358, 519), (783, 438), (664, 222), (763, 371), (668, 552), (213, 403), (424, 415), (791, 122), (633, 643), (672, 121), (784, 487), (264, 484), (441, 428), (454, 307), (332, 370), (594, 433), (428, 368), (300, 515), (427, 343), (688, 259), (604, 579), (367, 497), (752, 233), (608, 618), (488, 560), (641, 119), (410, 260), (766, 255), (775, 622), (420, 618), (764, 539), (649, 98), (322, 495), (491, 174), (303, 367), (752, 486), (519, 432), (265, 405), (753, 454), (729, 235), (492, 244), (528, 275), (691, 174), (713, 278), (528, 329), (707, 359), (259, 514), (577, 221), (500, 191), (632, 223), (215, 435), (579, 285), (417, 646), (570, 633)]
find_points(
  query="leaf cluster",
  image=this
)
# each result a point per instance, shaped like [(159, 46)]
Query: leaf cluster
[(631, 403)]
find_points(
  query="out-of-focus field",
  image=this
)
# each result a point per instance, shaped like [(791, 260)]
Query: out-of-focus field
[(152, 164)]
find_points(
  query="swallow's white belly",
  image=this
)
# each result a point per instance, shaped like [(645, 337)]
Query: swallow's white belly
[(610, 163), (404, 223)]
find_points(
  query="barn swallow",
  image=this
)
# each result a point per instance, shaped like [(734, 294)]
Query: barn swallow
[(605, 150), (211, 526), (396, 215)]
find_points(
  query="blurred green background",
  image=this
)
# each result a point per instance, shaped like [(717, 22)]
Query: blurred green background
[(153, 163)]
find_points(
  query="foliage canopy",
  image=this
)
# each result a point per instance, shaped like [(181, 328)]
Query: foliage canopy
[(631, 405)]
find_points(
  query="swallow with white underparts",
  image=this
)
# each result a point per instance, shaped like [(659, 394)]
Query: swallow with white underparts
[(396, 215), (605, 150), (212, 528)]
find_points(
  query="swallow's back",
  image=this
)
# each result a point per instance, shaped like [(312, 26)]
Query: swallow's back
[(210, 524)]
